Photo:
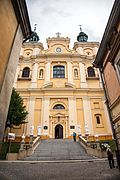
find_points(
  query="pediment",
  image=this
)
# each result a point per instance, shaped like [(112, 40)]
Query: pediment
[(48, 85), (58, 49), (69, 84)]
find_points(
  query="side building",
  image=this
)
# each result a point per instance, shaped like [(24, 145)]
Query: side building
[(62, 92), (108, 61), (14, 27)]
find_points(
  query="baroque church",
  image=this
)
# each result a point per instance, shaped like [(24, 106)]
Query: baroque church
[(61, 89)]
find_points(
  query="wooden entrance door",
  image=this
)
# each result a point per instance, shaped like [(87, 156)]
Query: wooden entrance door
[(59, 132)]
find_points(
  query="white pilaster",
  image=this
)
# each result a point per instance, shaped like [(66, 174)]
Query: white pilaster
[(100, 80), (31, 107), (70, 73), (67, 127), (16, 76), (36, 51), (46, 115), (80, 50), (108, 124), (47, 72), (83, 82), (21, 51), (34, 75), (72, 111), (87, 115), (96, 50)]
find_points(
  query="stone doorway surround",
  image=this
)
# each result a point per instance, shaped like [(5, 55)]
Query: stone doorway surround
[(58, 119)]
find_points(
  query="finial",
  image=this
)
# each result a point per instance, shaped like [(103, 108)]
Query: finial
[(35, 27), (80, 28), (58, 34)]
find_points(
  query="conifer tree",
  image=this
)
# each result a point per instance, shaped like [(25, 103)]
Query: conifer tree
[(17, 112)]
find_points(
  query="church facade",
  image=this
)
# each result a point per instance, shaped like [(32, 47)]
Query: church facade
[(61, 90)]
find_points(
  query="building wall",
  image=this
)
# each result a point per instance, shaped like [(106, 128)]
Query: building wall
[(10, 44), (82, 96), (113, 92), (12, 32), (9, 24), (111, 82), (108, 60)]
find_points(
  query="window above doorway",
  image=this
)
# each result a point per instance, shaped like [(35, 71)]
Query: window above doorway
[(58, 106), (58, 72)]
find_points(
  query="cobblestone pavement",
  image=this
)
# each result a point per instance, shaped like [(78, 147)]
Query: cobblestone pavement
[(59, 149), (70, 170), (58, 160)]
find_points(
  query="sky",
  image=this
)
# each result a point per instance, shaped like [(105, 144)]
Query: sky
[(65, 16)]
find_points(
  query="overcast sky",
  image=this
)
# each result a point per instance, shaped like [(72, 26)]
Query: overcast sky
[(65, 16)]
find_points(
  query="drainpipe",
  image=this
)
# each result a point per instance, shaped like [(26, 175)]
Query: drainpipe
[(109, 113)]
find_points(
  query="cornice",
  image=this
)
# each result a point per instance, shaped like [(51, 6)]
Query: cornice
[(86, 44), (111, 36), (86, 90), (33, 45), (22, 16)]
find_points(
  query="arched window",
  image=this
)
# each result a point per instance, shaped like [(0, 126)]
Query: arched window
[(41, 74), (58, 72), (75, 73), (26, 72), (91, 72), (58, 106), (98, 118)]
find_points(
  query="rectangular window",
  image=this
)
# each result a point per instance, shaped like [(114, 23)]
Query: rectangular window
[(72, 127), (58, 72), (98, 119)]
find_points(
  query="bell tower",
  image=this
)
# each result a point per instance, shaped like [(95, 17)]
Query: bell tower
[(82, 37)]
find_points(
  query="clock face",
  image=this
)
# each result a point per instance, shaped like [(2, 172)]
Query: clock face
[(58, 49)]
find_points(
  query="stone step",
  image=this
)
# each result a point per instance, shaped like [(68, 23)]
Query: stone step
[(59, 149)]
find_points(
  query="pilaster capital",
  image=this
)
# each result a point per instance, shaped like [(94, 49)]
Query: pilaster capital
[(46, 98), (35, 63), (32, 98), (47, 61), (72, 98)]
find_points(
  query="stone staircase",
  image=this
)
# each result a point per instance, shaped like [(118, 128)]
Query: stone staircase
[(59, 149)]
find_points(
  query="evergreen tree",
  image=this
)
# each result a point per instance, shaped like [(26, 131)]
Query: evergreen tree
[(17, 112)]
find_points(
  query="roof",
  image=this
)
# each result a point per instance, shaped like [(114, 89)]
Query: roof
[(110, 30), (22, 16)]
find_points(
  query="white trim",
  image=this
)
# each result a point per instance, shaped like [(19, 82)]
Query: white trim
[(117, 68)]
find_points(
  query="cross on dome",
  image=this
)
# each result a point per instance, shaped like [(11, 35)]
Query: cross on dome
[(35, 27), (80, 28), (58, 34)]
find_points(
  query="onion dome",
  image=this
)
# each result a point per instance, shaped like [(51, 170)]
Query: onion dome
[(82, 37)]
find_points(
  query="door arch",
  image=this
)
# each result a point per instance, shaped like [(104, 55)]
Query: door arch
[(59, 131)]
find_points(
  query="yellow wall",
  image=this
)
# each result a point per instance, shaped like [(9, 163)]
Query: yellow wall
[(8, 23), (72, 96)]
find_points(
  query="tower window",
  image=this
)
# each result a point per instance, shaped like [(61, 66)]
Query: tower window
[(58, 106), (98, 119), (58, 72), (91, 72), (26, 72)]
